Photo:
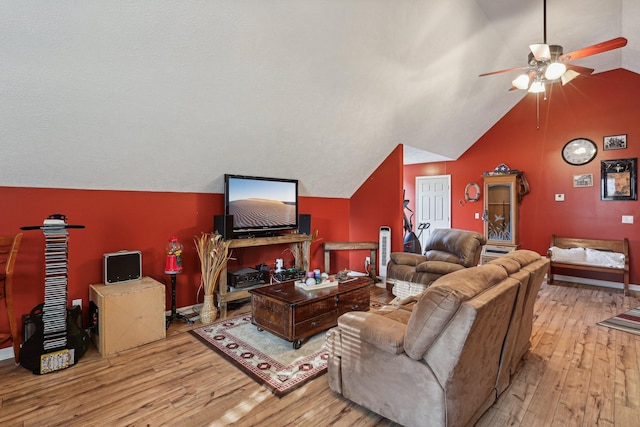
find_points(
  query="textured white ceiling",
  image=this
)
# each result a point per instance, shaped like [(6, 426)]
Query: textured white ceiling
[(168, 96)]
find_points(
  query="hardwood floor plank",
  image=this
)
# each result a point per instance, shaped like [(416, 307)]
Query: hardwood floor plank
[(574, 366), (573, 397), (627, 392), (599, 405)]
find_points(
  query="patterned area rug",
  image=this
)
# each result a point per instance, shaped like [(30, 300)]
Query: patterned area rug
[(627, 322), (267, 359)]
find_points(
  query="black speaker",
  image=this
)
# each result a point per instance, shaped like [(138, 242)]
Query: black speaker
[(223, 225), (122, 266), (304, 224), (29, 328)]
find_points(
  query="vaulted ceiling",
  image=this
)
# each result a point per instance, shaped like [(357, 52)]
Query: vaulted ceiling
[(169, 96)]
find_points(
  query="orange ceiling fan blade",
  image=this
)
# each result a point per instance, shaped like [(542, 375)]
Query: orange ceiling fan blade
[(504, 71), (582, 70), (612, 44)]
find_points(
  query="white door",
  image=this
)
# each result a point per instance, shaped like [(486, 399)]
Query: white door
[(433, 205)]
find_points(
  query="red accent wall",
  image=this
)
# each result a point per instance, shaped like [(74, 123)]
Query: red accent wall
[(592, 107), (130, 220), (378, 202)]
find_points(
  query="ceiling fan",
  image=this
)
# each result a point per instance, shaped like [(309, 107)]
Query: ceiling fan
[(548, 64)]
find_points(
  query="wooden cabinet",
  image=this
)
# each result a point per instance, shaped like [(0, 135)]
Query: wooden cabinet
[(128, 314), (501, 205), (225, 295)]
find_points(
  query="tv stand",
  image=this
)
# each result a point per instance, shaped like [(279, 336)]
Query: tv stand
[(255, 235), (224, 295)]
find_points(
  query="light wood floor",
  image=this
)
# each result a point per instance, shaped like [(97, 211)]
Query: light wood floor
[(577, 374)]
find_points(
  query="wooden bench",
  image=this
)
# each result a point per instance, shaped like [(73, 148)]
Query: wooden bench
[(620, 246)]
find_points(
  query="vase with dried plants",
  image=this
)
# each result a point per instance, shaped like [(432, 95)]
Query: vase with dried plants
[(213, 252)]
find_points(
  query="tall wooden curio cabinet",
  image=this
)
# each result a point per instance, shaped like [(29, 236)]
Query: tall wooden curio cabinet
[(501, 204)]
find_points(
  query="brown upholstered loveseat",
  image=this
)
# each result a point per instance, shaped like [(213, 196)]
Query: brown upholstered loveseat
[(444, 359), (446, 251)]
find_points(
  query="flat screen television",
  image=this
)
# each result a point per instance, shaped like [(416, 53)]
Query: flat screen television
[(259, 205)]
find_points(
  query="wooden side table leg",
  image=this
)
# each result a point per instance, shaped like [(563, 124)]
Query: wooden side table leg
[(373, 265), (222, 292), (223, 310), (327, 261)]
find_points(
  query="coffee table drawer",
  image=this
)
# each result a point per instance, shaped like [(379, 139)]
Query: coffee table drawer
[(358, 300), (316, 308), (317, 324)]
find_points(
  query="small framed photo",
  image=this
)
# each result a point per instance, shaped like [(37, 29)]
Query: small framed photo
[(619, 179), (584, 180), (615, 142)]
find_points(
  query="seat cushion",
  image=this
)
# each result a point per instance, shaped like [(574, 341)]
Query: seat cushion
[(438, 267)]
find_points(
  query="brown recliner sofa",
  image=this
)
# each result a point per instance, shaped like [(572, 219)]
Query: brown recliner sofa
[(446, 251), (444, 358)]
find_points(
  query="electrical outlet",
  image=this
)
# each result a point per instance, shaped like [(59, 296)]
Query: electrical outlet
[(77, 302), (367, 262), (477, 215), (559, 197), (627, 219)]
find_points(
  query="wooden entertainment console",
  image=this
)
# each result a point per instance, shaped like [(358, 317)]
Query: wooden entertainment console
[(226, 295)]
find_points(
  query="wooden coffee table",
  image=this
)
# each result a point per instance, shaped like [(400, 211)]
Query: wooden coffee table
[(294, 314)]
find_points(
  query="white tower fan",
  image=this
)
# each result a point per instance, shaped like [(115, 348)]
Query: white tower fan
[(385, 250)]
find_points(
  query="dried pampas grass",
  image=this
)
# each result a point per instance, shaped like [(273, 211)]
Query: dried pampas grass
[(213, 252)]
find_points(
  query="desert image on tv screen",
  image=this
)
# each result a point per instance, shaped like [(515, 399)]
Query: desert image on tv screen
[(261, 204)]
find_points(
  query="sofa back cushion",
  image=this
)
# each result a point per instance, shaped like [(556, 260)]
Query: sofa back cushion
[(440, 302), (456, 246)]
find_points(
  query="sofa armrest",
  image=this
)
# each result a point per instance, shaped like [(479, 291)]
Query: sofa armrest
[(379, 331), (438, 267), (403, 302), (407, 258)]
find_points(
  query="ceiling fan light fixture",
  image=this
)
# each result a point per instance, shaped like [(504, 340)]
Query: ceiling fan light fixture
[(540, 51), (568, 76), (521, 82), (555, 70), (537, 87)]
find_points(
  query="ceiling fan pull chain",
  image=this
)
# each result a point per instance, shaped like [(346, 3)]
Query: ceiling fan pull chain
[(537, 111)]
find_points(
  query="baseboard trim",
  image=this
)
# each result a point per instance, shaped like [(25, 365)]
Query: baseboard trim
[(189, 311), (6, 353), (595, 282)]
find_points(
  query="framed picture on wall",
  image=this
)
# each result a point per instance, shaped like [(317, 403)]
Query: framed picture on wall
[(619, 179), (584, 180), (615, 142)]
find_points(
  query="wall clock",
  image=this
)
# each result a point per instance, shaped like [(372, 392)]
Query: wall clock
[(579, 151)]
